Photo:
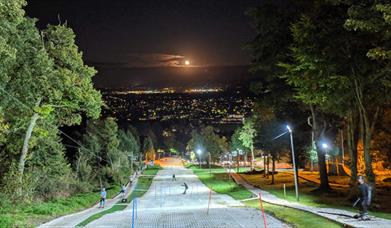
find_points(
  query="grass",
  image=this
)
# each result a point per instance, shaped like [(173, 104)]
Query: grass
[(293, 216), (219, 182), (30, 215), (335, 199), (100, 214), (143, 184)]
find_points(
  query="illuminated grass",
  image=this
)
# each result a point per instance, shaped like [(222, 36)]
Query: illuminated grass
[(307, 197), (294, 217), (220, 182)]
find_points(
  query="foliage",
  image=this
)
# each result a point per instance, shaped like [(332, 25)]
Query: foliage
[(247, 134), (44, 85), (129, 144), (213, 143), (236, 143), (29, 215), (101, 161), (149, 149), (312, 154)]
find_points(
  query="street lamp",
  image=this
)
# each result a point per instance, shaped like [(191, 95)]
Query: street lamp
[(199, 156), (294, 163), (325, 146)]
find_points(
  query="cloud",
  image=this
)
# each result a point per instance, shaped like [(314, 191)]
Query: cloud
[(154, 60)]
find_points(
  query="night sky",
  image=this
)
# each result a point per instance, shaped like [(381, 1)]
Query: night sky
[(145, 43)]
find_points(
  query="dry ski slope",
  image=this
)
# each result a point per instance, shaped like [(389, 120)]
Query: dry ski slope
[(164, 205)]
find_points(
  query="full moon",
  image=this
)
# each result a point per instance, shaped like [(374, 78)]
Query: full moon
[(187, 62)]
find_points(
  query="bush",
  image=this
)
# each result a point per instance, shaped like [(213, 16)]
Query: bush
[(6, 221)]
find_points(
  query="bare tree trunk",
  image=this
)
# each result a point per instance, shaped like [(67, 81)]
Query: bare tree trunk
[(264, 165), (267, 163), (337, 165), (324, 181), (312, 165), (237, 162), (252, 157), (367, 129), (352, 139), (245, 160), (273, 168), (342, 147), (25, 148)]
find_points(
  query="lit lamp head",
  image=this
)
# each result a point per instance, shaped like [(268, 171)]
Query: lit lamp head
[(325, 146), (199, 151), (289, 128)]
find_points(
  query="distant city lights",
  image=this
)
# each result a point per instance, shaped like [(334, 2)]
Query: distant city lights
[(169, 90)]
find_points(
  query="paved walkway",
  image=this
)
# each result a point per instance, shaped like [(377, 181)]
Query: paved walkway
[(338, 215), (164, 205), (73, 220)]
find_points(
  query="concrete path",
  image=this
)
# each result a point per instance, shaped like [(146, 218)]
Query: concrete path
[(73, 220), (338, 215), (164, 205)]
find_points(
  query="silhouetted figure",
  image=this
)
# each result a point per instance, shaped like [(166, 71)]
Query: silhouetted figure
[(365, 196), (173, 177), (186, 187)]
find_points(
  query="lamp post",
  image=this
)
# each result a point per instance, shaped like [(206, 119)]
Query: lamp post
[(294, 164), (199, 156)]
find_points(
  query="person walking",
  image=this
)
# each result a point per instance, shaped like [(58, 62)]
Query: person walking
[(123, 191), (173, 177), (186, 187), (365, 196), (102, 200)]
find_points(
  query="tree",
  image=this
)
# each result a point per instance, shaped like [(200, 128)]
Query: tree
[(312, 155), (271, 44), (101, 160), (247, 135), (212, 143), (129, 145), (57, 86), (196, 142), (237, 145), (372, 18), (149, 149), (335, 64)]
